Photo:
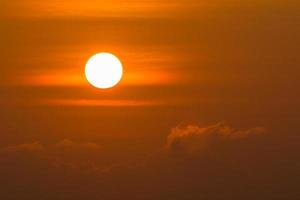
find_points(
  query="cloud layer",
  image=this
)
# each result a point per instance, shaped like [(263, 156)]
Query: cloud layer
[(200, 162)]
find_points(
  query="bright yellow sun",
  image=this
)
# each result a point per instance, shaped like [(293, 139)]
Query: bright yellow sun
[(103, 70)]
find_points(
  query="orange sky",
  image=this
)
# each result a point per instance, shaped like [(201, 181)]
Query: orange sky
[(208, 107)]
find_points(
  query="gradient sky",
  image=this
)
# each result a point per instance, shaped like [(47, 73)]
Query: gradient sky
[(208, 107)]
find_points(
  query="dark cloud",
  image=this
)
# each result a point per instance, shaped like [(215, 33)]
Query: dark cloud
[(193, 139)]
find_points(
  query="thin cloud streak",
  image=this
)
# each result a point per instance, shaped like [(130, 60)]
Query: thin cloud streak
[(98, 103), (89, 8), (63, 78)]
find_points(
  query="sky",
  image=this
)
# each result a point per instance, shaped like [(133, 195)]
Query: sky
[(208, 106)]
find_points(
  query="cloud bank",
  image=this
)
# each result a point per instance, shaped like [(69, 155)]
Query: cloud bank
[(199, 162)]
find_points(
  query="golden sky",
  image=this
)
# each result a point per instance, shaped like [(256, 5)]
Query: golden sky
[(208, 107)]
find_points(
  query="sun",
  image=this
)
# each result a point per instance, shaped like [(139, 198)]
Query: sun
[(103, 70)]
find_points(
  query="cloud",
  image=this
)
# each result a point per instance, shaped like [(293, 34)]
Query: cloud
[(193, 139), (251, 168), (69, 144), (64, 154), (28, 147), (63, 144)]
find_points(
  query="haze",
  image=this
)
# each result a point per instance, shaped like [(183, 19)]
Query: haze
[(208, 106)]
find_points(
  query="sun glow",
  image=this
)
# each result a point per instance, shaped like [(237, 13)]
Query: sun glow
[(103, 70)]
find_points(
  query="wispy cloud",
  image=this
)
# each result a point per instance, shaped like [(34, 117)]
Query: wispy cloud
[(29, 147), (98, 103), (89, 8)]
